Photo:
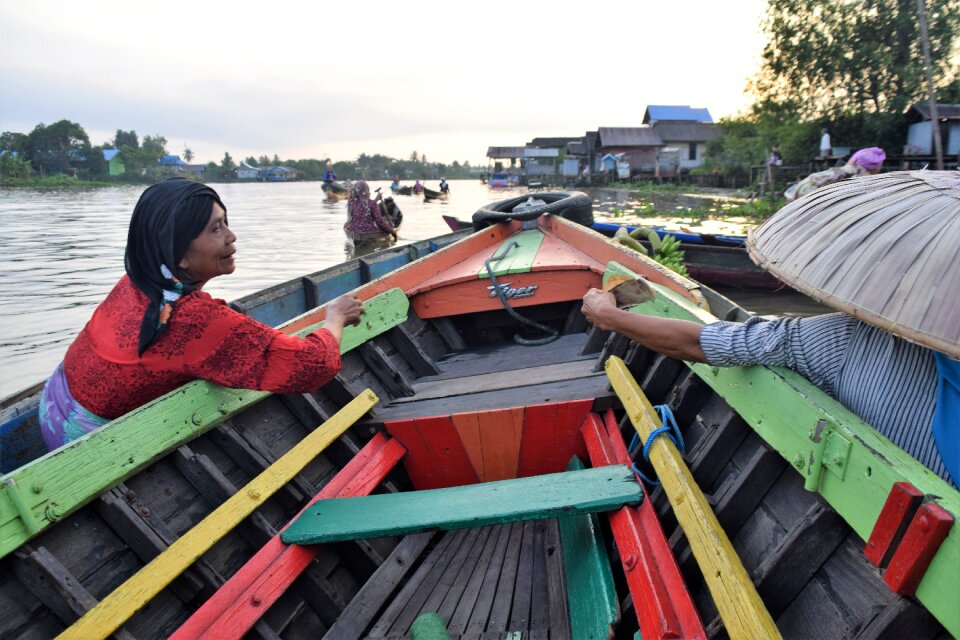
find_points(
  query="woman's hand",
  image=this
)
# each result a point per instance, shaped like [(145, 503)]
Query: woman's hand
[(345, 310), (597, 306)]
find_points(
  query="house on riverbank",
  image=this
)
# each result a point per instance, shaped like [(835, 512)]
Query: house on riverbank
[(684, 128), (114, 162), (671, 140), (920, 129)]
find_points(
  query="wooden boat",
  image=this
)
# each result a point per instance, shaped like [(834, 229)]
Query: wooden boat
[(392, 212), (712, 259), (402, 191), (686, 237), (709, 263), (336, 190), (170, 521), (430, 194)]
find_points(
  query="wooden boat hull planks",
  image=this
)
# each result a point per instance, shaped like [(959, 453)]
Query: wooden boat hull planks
[(483, 408)]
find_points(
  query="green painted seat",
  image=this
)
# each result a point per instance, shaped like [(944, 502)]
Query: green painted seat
[(546, 496)]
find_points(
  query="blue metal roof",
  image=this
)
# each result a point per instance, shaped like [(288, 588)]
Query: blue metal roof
[(675, 112), (109, 154), (171, 160)]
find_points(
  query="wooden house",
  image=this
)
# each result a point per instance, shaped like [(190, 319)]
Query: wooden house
[(920, 131), (685, 128), (639, 145), (247, 172), (114, 162), (690, 138), (278, 174)]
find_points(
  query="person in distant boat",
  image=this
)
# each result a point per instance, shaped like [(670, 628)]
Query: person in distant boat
[(417, 187), (365, 215), (157, 329), (864, 162), (329, 175), (776, 158), (888, 382), (395, 184), (444, 187)]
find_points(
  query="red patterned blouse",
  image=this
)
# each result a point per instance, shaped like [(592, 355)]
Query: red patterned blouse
[(205, 339)]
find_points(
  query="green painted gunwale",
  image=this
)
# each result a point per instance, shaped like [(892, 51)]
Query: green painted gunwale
[(50, 488)]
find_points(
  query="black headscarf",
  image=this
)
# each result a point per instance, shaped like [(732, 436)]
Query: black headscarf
[(168, 216)]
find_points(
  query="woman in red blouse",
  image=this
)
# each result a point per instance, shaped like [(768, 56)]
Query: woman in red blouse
[(158, 329)]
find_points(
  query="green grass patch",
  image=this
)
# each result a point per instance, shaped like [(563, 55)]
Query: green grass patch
[(51, 182)]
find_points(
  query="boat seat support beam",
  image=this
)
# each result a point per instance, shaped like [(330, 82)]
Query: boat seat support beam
[(662, 603)]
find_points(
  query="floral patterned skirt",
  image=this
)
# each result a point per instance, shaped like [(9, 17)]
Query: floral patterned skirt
[(62, 418)]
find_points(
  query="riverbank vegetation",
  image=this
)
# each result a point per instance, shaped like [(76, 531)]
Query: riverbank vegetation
[(852, 67), (62, 155)]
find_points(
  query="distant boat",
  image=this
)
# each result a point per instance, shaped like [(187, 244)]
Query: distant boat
[(609, 228), (430, 194), (336, 190), (498, 180), (392, 212), (402, 191)]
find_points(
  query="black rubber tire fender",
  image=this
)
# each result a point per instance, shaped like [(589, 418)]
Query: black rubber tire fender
[(575, 206)]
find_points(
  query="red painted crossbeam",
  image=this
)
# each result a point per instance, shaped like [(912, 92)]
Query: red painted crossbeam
[(660, 596), (235, 608)]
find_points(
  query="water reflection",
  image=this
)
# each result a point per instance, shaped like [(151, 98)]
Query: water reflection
[(368, 246)]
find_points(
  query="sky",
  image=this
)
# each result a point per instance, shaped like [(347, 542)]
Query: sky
[(317, 79)]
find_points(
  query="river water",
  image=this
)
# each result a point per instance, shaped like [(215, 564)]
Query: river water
[(62, 252)]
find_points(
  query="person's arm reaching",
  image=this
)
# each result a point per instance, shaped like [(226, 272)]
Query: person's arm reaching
[(238, 352), (675, 338)]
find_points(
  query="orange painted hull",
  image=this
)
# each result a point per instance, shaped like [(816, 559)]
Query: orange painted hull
[(571, 260)]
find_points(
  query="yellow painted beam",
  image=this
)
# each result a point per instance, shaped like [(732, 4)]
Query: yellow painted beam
[(743, 612), (128, 598)]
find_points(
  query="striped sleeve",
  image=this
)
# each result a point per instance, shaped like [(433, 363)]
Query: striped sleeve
[(888, 382), (814, 347)]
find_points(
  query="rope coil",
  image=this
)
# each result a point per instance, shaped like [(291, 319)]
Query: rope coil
[(669, 428), (551, 333)]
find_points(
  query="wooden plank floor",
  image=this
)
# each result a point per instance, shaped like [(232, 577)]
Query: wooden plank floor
[(483, 582)]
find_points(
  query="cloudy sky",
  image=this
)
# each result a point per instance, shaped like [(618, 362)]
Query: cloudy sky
[(315, 79)]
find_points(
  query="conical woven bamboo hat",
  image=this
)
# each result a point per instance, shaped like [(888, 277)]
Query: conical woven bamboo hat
[(883, 248)]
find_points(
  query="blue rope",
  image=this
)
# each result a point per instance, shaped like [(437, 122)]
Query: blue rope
[(669, 428)]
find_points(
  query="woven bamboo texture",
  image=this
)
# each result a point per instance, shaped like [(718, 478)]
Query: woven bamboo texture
[(883, 248)]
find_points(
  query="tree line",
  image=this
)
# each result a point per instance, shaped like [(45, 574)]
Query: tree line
[(64, 148), (853, 67)]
